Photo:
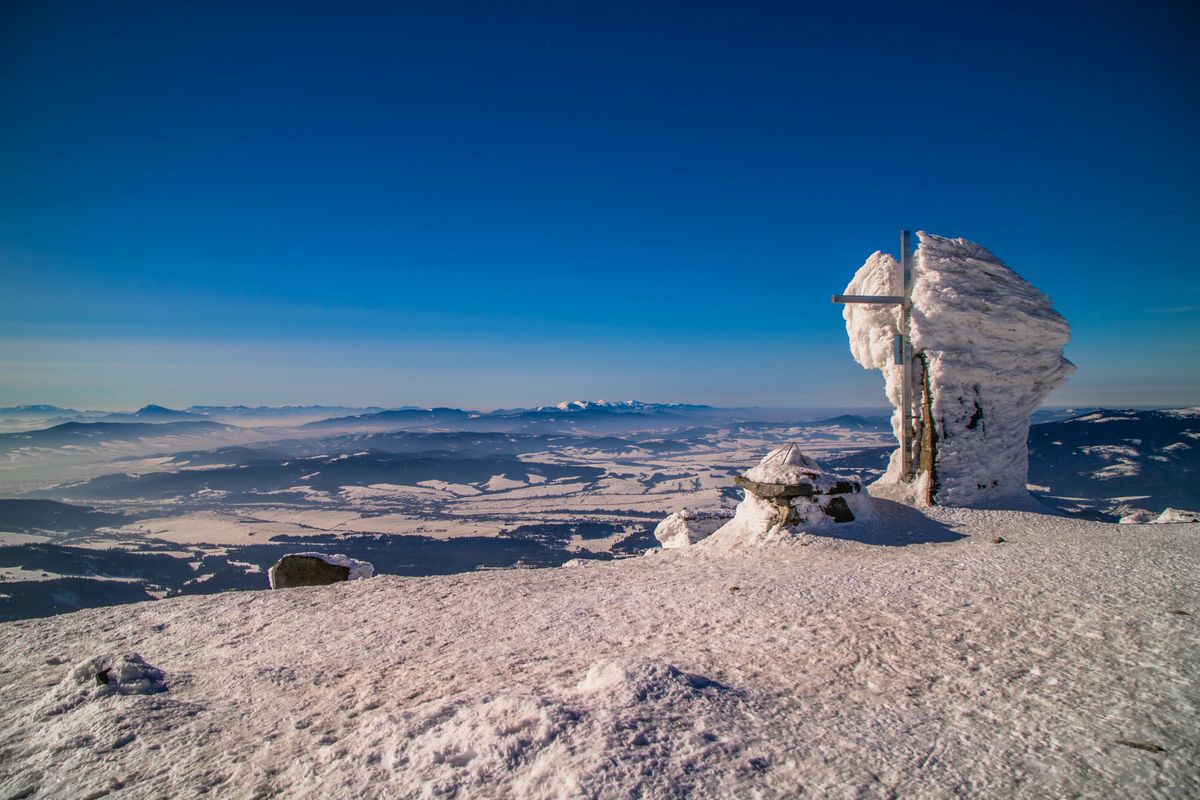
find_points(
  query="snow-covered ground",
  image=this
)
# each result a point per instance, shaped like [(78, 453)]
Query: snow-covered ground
[(1059, 662)]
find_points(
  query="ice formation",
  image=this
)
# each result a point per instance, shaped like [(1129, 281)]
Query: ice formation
[(1169, 516), (987, 350), (103, 676), (687, 527)]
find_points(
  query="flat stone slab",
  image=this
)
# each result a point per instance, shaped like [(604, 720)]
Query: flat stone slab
[(772, 491)]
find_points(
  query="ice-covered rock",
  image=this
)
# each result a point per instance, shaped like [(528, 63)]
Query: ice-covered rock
[(1135, 516), (103, 676), (316, 569), (988, 349), (755, 522), (1168, 516), (1174, 515), (688, 527)]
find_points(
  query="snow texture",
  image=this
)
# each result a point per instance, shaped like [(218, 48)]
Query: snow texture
[(358, 569), (993, 345), (785, 465), (1168, 516), (686, 527), (103, 676), (755, 523), (1061, 663)]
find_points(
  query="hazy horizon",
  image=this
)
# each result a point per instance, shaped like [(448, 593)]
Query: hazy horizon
[(814, 410)]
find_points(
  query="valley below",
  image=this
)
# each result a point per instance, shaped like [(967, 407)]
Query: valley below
[(101, 513)]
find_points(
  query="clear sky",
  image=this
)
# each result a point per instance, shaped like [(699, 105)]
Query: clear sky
[(497, 204)]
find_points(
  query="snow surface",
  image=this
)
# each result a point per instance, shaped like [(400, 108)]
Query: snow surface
[(1050, 665), (786, 464), (994, 348), (358, 569), (99, 677), (755, 522)]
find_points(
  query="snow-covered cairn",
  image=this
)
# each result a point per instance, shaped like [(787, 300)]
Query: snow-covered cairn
[(987, 350), (785, 492)]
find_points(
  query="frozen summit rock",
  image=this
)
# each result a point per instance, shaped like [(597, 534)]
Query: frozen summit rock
[(783, 495), (1168, 516), (316, 569), (687, 527), (103, 676), (987, 348)]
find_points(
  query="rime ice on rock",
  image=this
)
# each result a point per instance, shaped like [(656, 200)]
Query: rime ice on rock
[(786, 490), (987, 349), (687, 527), (103, 676)]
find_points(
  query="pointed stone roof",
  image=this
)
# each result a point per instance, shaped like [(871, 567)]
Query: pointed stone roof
[(786, 465)]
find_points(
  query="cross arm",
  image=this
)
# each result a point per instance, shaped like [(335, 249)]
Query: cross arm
[(874, 299)]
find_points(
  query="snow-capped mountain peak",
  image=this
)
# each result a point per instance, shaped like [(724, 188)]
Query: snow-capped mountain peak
[(616, 406), (584, 405)]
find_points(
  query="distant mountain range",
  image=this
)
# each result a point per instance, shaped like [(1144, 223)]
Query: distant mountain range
[(1107, 460), (31, 417), (584, 417), (90, 434), (1125, 452), (39, 410), (395, 418), (575, 416), (152, 413), (618, 407), (279, 414)]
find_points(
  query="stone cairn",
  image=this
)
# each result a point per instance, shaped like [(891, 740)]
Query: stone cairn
[(786, 474)]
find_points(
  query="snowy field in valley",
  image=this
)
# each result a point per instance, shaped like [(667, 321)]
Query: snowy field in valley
[(912, 656), (411, 502), (130, 520)]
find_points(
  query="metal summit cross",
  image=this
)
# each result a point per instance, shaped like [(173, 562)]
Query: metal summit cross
[(901, 347)]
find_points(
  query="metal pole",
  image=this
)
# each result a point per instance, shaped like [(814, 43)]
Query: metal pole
[(906, 448)]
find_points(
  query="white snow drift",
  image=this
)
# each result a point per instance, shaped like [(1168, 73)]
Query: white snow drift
[(103, 676)]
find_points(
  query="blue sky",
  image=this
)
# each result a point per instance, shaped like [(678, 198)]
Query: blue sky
[(507, 204)]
